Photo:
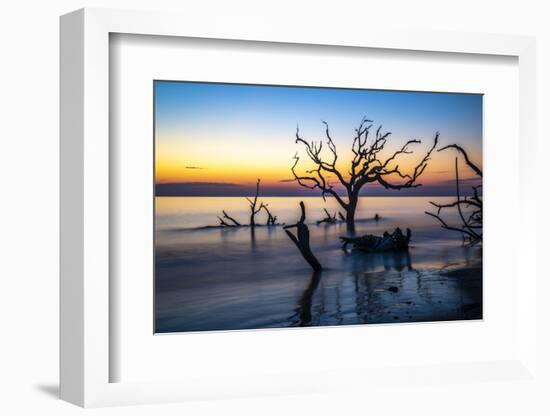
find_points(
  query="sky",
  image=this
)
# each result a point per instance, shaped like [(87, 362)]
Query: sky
[(214, 139)]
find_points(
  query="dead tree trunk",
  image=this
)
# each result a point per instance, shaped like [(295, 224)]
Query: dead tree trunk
[(255, 207), (301, 239), (253, 203), (350, 211)]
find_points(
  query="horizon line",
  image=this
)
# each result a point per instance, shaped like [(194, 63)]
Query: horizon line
[(303, 196)]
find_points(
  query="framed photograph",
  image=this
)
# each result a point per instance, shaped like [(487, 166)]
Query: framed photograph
[(245, 213), (258, 226)]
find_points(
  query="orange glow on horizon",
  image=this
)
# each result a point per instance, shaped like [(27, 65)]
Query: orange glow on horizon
[(229, 162)]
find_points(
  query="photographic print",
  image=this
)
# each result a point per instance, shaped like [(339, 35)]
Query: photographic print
[(291, 206)]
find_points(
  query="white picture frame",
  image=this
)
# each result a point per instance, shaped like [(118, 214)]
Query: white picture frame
[(85, 210)]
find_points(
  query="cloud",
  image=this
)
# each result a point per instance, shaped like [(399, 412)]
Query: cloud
[(199, 189), (462, 180), (194, 167)]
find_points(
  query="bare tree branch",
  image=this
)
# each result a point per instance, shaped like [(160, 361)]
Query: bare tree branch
[(418, 170), (465, 223), (472, 225), (253, 204), (446, 226), (271, 219), (255, 208), (366, 166), (232, 221), (466, 158)]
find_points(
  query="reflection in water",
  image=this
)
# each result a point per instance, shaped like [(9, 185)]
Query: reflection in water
[(252, 238), (390, 260), (212, 279), (304, 308)]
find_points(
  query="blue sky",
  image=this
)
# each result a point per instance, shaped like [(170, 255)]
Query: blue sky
[(196, 119)]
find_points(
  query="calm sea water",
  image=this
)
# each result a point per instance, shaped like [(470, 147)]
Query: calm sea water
[(226, 279)]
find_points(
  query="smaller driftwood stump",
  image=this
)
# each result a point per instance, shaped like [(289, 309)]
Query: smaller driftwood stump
[(375, 244), (301, 239), (329, 219)]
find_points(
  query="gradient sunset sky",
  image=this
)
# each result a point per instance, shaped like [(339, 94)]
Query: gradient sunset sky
[(217, 139)]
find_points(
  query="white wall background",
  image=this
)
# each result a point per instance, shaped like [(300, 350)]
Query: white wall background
[(29, 58)]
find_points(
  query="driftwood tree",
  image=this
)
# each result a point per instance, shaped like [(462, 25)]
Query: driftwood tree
[(329, 219), (301, 239), (228, 221), (271, 219), (471, 223), (255, 207), (395, 241), (368, 165)]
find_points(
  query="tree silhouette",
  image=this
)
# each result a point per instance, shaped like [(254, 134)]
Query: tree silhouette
[(471, 225), (301, 239), (255, 207), (366, 166)]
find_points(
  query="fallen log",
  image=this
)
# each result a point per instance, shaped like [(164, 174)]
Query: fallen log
[(376, 244)]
